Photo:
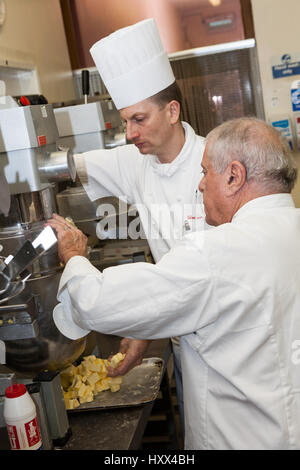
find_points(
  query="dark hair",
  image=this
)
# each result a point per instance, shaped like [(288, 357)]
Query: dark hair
[(172, 92)]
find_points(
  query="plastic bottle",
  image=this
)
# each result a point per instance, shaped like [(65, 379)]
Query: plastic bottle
[(21, 420)]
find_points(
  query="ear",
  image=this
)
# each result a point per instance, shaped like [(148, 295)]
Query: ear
[(174, 111), (236, 175)]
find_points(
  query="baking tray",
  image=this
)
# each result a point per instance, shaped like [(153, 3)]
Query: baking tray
[(140, 386)]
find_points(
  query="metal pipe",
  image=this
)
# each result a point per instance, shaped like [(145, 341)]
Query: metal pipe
[(58, 166)]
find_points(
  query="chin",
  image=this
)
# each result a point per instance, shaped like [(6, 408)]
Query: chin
[(211, 222)]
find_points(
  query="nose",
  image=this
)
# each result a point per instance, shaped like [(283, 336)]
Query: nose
[(201, 185), (131, 131)]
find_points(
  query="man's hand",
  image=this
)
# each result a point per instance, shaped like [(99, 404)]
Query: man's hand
[(71, 241), (134, 350)]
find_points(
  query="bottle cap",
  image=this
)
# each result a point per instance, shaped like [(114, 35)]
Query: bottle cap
[(15, 390)]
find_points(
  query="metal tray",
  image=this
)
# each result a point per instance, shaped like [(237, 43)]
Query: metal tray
[(140, 386)]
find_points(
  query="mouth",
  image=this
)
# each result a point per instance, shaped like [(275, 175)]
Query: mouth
[(139, 145)]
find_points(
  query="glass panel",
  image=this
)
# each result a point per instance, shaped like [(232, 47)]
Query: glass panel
[(215, 88)]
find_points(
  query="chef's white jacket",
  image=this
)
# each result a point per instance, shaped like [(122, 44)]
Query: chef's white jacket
[(233, 295), (165, 195)]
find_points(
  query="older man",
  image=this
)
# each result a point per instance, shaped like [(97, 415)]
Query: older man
[(231, 293)]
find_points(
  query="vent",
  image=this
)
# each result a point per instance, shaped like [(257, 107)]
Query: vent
[(220, 23)]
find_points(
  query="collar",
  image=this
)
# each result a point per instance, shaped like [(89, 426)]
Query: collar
[(265, 202), (168, 169)]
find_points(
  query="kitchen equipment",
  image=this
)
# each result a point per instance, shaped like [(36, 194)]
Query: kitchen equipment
[(36, 168), (90, 126), (54, 405), (25, 256)]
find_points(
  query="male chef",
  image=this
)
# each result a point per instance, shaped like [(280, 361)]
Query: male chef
[(161, 168), (232, 294)]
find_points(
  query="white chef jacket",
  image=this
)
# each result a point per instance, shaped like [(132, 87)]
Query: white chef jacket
[(154, 188), (233, 293)]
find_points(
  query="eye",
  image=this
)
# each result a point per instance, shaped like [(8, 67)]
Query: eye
[(204, 172)]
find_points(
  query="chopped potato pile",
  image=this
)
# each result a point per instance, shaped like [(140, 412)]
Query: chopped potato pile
[(82, 383)]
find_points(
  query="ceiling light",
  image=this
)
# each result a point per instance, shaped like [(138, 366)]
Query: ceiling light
[(215, 3)]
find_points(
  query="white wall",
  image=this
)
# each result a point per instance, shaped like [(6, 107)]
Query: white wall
[(33, 33), (277, 32)]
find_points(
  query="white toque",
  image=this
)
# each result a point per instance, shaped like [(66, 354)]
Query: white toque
[(132, 63)]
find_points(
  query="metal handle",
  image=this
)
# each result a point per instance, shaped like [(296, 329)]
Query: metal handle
[(21, 260), (85, 79)]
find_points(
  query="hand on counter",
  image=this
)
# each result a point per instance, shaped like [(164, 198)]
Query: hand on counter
[(135, 350), (71, 241)]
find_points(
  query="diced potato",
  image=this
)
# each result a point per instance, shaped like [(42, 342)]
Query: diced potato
[(82, 383), (71, 394), (98, 366), (99, 387), (116, 380), (87, 399), (106, 383), (83, 369), (81, 390), (116, 359), (71, 403), (102, 375), (93, 378), (77, 382), (91, 358)]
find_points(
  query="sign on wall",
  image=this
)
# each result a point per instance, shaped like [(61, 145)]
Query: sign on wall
[(286, 65), (295, 95)]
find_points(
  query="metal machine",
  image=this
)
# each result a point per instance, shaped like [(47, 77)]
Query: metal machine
[(33, 166), (90, 126), (84, 127)]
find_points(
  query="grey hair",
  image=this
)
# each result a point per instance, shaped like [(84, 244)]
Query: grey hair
[(259, 147)]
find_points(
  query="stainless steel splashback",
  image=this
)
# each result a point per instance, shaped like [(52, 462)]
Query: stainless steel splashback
[(218, 83)]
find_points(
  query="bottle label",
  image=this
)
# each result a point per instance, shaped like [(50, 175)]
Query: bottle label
[(13, 437), (32, 433), (25, 436)]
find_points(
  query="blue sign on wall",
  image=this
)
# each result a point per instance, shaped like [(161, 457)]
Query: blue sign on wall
[(286, 66), (295, 95)]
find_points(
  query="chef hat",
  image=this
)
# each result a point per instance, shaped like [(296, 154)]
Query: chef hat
[(132, 63)]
